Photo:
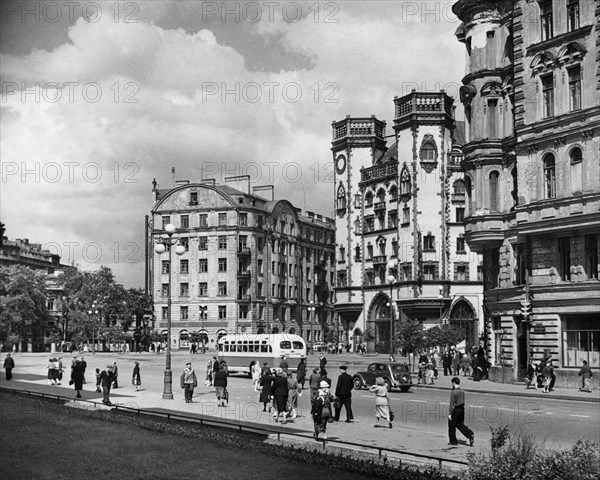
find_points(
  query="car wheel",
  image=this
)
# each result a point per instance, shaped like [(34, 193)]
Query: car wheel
[(405, 388), (358, 383)]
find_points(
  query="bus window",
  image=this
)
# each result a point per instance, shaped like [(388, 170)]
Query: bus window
[(270, 349), (298, 345), (264, 348), (244, 348), (220, 347), (285, 345)]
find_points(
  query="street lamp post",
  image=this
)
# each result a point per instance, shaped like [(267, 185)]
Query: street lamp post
[(163, 245), (311, 314), (203, 310), (391, 278), (93, 311)]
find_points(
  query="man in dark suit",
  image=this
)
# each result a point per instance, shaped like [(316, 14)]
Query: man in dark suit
[(343, 391)]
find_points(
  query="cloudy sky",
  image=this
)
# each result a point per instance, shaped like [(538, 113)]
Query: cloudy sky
[(99, 98)]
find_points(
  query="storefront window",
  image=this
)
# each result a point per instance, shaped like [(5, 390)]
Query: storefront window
[(581, 341)]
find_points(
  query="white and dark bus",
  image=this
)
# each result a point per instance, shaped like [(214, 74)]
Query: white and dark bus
[(240, 352)]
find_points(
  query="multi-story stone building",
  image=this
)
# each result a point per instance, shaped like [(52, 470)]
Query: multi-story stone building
[(533, 188), (250, 264), (401, 252), (32, 255)]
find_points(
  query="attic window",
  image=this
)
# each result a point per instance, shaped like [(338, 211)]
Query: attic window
[(241, 199)]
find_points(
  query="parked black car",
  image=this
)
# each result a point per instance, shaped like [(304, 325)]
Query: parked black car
[(395, 375)]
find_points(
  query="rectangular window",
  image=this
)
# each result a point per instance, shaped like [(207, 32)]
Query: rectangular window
[(520, 263), (429, 243), (572, 15), (185, 221), (395, 248), (242, 242), (259, 267), (548, 96), (370, 252), (460, 214), (581, 341), (591, 256), (392, 219), (260, 220), (492, 118), (222, 242), (243, 311), (166, 219), (564, 258), (259, 289), (165, 313), (203, 265), (222, 288), (202, 243), (406, 216), (222, 265), (193, 198), (222, 219), (222, 312), (165, 266), (407, 272), (184, 289), (490, 50), (260, 244), (184, 267), (243, 219), (185, 241), (164, 291), (202, 312), (461, 273), (429, 272), (546, 20), (203, 220), (460, 245), (575, 88), (183, 313)]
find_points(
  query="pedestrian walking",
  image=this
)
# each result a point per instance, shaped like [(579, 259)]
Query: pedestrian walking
[(466, 365), (313, 383), (9, 364), (586, 377), (115, 374), (343, 392), (98, 380), (325, 378), (532, 374), (220, 382), (548, 373), (322, 361), (321, 410), (265, 382), (293, 394), (456, 417), (284, 365), (279, 395), (188, 382), (106, 380), (382, 402), (256, 371), (77, 377), (456, 356), (209, 373), (136, 378), (83, 366), (447, 363), (301, 373), (58, 366)]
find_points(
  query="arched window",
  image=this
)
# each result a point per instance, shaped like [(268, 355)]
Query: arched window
[(576, 157), (494, 191), (381, 195), (393, 193), (405, 182), (515, 187), (369, 199), (428, 152), (341, 198), (549, 176), (459, 187)]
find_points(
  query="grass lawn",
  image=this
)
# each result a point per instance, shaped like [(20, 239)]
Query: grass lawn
[(40, 440)]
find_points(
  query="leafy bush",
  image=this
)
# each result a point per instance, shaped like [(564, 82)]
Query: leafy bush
[(520, 457)]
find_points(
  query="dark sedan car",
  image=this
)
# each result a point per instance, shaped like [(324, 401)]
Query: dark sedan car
[(395, 375)]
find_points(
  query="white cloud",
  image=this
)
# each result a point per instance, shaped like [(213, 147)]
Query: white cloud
[(164, 104)]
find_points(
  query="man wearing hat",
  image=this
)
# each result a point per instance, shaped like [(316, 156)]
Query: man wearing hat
[(188, 382), (343, 392)]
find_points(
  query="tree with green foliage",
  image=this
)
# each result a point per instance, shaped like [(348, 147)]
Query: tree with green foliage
[(443, 336)]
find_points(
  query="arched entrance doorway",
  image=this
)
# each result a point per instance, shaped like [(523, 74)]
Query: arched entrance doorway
[(380, 319), (463, 317)]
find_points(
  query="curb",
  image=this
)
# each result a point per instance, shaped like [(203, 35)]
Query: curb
[(590, 399)]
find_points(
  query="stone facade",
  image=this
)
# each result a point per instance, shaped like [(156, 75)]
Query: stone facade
[(400, 246), (533, 180), (249, 264)]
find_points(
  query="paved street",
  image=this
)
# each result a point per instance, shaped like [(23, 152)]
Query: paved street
[(421, 414)]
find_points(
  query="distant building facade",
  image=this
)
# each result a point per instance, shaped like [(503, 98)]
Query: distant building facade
[(21, 252), (401, 252), (533, 183), (251, 264)]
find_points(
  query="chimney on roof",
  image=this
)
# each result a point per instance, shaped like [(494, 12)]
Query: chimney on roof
[(264, 188), (208, 181), (240, 182)]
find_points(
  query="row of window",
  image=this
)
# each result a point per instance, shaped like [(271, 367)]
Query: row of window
[(547, 17), (548, 92)]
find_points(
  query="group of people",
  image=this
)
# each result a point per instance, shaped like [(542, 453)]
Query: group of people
[(541, 375)]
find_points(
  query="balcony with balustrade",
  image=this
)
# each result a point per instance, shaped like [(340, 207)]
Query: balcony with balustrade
[(363, 131), (423, 107)]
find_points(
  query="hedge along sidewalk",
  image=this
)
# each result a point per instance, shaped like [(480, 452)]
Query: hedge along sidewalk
[(203, 450)]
